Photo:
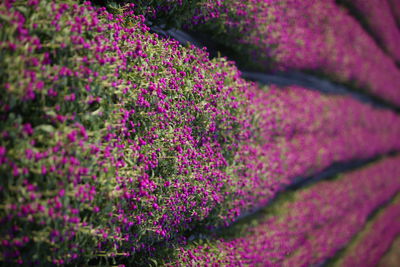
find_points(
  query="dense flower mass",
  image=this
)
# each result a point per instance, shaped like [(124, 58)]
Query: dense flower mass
[(117, 144), (377, 14), (296, 140), (381, 230), (308, 226), (303, 34), (110, 137)]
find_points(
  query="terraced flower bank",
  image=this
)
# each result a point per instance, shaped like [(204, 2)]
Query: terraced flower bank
[(117, 145), (303, 35), (306, 227)]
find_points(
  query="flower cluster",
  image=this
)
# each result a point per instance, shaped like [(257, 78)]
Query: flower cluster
[(307, 226), (303, 34), (381, 230), (378, 16)]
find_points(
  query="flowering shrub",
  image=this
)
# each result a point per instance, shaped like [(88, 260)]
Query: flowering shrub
[(303, 34), (379, 19), (307, 226), (381, 230)]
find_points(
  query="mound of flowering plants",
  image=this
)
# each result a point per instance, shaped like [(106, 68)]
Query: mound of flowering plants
[(379, 19), (373, 241), (303, 35), (112, 140), (304, 227)]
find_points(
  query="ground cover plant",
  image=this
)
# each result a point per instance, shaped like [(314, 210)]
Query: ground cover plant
[(305, 227), (116, 145), (303, 35)]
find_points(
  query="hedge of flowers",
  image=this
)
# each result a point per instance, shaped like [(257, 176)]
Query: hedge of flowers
[(373, 241), (115, 143), (305, 227), (303, 34), (378, 16)]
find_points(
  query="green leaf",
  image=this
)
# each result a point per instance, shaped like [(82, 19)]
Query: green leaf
[(5, 18), (45, 127), (153, 261)]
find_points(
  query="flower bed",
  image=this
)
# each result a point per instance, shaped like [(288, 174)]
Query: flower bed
[(306, 227), (115, 142), (380, 20), (294, 34)]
